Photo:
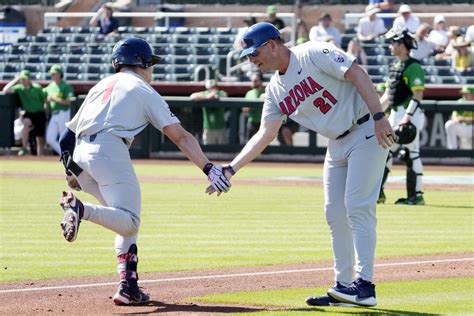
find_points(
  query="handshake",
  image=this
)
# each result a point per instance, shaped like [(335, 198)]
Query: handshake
[(216, 174)]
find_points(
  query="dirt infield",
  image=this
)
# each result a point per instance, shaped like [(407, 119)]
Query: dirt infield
[(172, 292)]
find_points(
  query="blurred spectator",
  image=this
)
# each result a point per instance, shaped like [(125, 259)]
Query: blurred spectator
[(254, 114), (380, 88), (324, 32), (470, 34), (249, 21), (461, 56), (32, 101), (459, 51), (59, 95), (213, 118), (425, 47), (355, 49), (370, 26), (18, 126), (273, 19), (104, 19), (406, 20), (301, 40), (385, 6), (460, 124), (439, 34), (285, 134)]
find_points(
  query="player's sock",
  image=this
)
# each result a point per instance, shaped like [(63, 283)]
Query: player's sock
[(127, 266)]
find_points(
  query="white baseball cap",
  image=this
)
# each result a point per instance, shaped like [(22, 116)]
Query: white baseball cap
[(438, 19), (404, 8), (371, 9)]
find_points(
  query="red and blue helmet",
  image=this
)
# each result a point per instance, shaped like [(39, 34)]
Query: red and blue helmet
[(133, 52), (256, 36)]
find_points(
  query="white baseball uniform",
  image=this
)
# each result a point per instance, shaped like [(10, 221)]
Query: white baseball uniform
[(115, 110), (313, 93)]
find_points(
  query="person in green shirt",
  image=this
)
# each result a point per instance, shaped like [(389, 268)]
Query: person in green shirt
[(59, 95), (32, 102), (403, 96), (254, 114), (460, 125), (213, 118)]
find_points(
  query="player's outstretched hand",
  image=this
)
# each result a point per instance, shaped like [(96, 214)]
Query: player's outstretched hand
[(384, 132), (219, 182)]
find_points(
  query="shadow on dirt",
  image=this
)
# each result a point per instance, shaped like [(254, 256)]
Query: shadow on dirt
[(194, 308)]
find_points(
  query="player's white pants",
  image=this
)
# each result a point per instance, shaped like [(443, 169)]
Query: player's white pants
[(418, 119), (455, 130), (353, 171), (56, 127), (109, 176)]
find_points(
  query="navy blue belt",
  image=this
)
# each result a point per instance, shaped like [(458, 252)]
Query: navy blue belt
[(360, 121), (93, 137)]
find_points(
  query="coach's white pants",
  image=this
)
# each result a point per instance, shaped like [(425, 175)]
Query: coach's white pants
[(353, 171), (56, 127), (109, 176), (454, 130)]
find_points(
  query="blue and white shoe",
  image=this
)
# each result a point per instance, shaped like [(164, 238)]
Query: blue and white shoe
[(360, 292), (326, 300)]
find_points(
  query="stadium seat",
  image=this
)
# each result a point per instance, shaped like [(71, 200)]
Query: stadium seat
[(94, 69), (7, 76), (95, 59), (73, 59), (181, 50), (442, 62), (204, 39), (58, 49), (445, 71), (14, 58), (52, 59), (18, 50), (12, 68), (62, 39), (81, 38)]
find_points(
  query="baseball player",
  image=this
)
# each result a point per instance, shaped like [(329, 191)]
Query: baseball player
[(403, 96), (98, 138), (321, 88)]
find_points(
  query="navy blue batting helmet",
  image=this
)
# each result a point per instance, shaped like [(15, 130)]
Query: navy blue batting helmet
[(257, 35), (133, 52)]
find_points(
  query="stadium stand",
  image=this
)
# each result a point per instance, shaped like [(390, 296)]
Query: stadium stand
[(86, 56)]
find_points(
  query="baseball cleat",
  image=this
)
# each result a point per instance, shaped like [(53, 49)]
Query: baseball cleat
[(382, 198), (73, 209), (326, 300), (127, 295), (417, 200), (360, 292)]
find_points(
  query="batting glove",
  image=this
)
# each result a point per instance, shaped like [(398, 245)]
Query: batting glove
[(217, 178)]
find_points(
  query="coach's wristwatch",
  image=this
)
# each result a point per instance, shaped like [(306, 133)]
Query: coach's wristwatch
[(377, 116)]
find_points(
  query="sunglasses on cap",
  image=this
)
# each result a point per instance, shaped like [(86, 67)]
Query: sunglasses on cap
[(255, 53)]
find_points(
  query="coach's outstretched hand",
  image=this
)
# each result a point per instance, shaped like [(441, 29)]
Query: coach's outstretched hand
[(219, 182)]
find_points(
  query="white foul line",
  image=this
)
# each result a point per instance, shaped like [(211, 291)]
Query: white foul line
[(233, 275)]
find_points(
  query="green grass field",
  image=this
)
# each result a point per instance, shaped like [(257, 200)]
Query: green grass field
[(426, 297), (184, 229)]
